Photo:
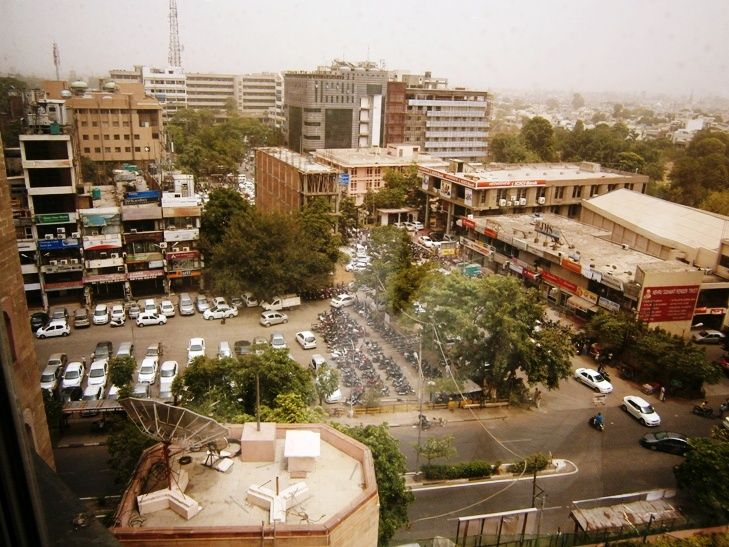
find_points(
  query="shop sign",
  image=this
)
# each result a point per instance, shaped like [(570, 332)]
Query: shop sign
[(474, 246), (587, 295), (569, 264), (156, 264), (670, 303), (56, 218), (145, 274), (514, 267), (62, 285), (468, 196), (184, 273), (559, 282), (445, 188), (57, 244), (425, 185), (612, 281), (709, 311), (468, 223), (489, 232), (608, 304), (589, 273), (105, 278), (519, 244), (26, 246), (532, 276)]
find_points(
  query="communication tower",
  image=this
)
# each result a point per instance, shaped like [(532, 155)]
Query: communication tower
[(174, 56)]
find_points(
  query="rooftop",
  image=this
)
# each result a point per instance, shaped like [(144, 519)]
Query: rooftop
[(354, 157), (303, 163), (669, 223)]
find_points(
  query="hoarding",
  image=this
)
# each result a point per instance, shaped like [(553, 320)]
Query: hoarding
[(671, 303)]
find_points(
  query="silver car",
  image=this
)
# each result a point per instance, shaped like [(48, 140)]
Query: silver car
[(272, 317), (185, 305)]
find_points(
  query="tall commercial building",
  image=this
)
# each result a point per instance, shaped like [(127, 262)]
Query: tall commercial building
[(340, 106), (206, 91), (446, 123), (167, 85), (259, 95)]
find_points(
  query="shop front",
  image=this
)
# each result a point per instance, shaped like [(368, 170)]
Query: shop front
[(106, 286)]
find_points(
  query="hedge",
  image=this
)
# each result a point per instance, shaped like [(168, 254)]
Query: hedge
[(535, 462), (477, 469)]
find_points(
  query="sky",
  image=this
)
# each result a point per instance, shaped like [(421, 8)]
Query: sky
[(671, 47)]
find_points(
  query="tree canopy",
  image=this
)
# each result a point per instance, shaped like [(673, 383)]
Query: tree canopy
[(704, 475), (702, 169), (401, 189)]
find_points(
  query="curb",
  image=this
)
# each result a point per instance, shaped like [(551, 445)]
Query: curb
[(80, 445)]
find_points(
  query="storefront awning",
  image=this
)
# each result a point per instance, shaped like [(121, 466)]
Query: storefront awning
[(581, 304)]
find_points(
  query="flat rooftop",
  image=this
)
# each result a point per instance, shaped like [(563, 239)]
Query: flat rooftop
[(303, 163), (355, 157), (587, 243), (337, 480)]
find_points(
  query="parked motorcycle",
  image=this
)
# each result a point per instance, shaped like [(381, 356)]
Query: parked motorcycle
[(600, 426), (703, 411)]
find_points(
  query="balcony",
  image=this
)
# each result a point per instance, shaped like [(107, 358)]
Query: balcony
[(182, 235), (63, 265), (28, 269), (105, 262)]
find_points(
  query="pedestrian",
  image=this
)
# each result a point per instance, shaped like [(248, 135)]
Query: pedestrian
[(537, 397), (662, 394), (222, 321)]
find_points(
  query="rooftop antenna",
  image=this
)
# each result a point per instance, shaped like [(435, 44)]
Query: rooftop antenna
[(174, 56), (57, 59)]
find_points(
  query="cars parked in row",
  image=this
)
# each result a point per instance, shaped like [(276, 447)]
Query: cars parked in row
[(53, 328), (148, 371), (51, 375), (277, 341), (101, 314), (167, 374), (81, 318), (306, 339), (38, 319), (167, 308), (220, 311), (117, 312), (73, 375), (98, 372), (272, 317), (196, 348), (185, 305), (201, 303), (342, 301), (150, 318)]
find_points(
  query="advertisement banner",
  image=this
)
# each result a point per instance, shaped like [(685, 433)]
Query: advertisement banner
[(672, 303), (559, 282), (468, 197)]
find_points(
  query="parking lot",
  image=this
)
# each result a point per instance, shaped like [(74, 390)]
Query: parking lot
[(176, 334)]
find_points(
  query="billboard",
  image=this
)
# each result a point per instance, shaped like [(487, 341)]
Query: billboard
[(671, 303)]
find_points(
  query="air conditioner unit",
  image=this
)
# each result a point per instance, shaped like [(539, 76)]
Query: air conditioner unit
[(60, 230), (114, 255), (49, 236), (73, 261), (133, 231), (53, 262), (103, 255), (542, 200), (190, 226), (522, 201), (64, 261), (171, 227), (60, 236), (185, 249), (502, 203), (509, 203), (120, 268), (76, 234), (163, 245)]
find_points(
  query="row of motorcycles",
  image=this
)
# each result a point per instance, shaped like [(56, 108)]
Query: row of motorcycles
[(705, 411)]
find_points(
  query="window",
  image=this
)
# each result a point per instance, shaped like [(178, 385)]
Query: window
[(94, 124), (137, 149), (541, 191), (501, 194), (127, 137), (117, 149), (107, 149), (87, 150), (97, 150), (85, 137), (559, 192), (127, 149), (125, 124), (136, 136), (155, 136), (115, 124), (84, 124)]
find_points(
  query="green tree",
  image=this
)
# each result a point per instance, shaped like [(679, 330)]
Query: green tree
[(125, 445), (54, 410), (121, 371), (11, 109), (326, 381), (291, 408), (702, 169), (716, 202), (401, 189), (436, 448), (390, 468), (614, 331), (578, 101), (538, 137), (224, 205), (704, 475), (510, 148)]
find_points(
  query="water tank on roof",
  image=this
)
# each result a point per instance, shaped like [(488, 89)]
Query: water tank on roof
[(65, 93), (110, 87), (79, 87)]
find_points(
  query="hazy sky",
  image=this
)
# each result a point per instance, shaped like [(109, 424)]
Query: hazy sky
[(670, 46)]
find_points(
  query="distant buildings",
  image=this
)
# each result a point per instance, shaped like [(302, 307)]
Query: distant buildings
[(208, 91), (167, 85), (260, 96)]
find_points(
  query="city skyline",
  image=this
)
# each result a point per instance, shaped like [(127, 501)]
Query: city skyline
[(648, 47)]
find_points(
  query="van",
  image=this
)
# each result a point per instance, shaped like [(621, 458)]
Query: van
[(224, 350)]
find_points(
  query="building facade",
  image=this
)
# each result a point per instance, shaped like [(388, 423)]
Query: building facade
[(167, 85), (340, 106), (463, 191), (210, 91), (259, 95), (286, 181)]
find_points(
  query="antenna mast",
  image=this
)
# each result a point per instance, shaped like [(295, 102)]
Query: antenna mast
[(174, 55), (57, 59)]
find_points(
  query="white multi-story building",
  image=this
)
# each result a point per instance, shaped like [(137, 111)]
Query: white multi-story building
[(259, 95), (210, 91), (167, 85)]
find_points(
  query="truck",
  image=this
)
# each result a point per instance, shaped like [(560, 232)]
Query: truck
[(284, 302)]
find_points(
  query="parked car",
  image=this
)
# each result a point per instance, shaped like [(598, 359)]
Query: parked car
[(201, 302), (103, 350), (150, 318), (317, 360), (38, 319), (278, 341), (50, 377), (242, 347), (220, 312), (125, 349), (113, 393), (81, 318), (117, 312), (93, 392), (666, 441), (249, 300), (593, 379), (57, 359), (167, 308), (148, 371), (73, 393), (59, 314), (306, 339), (342, 301), (150, 305), (153, 350), (269, 318), (133, 310), (224, 349), (98, 372), (167, 374), (708, 336), (219, 301), (236, 302), (641, 410), (101, 314), (429, 242), (334, 397), (140, 391), (196, 348), (260, 344), (185, 305), (73, 375), (54, 328)]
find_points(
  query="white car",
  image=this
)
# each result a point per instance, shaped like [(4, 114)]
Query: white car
[(641, 410), (201, 303), (429, 243), (167, 375), (334, 397), (148, 371), (196, 348), (117, 312), (73, 375), (593, 379), (150, 318), (98, 373), (101, 314), (167, 308), (54, 328), (708, 336), (93, 392), (306, 339), (50, 376), (342, 301), (220, 312), (278, 341), (272, 317), (219, 301), (356, 266), (185, 304)]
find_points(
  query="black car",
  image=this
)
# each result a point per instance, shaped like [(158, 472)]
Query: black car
[(666, 441), (242, 347), (69, 394), (38, 319)]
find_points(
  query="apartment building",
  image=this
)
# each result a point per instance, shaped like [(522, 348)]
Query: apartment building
[(447, 123), (363, 169), (339, 106), (207, 91), (463, 190), (167, 85), (116, 124), (259, 95)]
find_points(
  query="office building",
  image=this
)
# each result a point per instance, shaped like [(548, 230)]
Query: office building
[(167, 85), (260, 96), (215, 92)]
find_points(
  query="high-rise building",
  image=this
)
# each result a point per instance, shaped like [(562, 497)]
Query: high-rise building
[(206, 91), (340, 106), (167, 85), (259, 95), (444, 122)]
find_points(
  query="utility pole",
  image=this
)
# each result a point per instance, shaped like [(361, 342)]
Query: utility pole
[(57, 60)]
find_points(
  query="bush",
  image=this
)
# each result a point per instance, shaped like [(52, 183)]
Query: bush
[(535, 462), (477, 469)]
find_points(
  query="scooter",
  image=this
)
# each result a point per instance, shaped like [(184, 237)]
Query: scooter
[(703, 411), (117, 322), (598, 426)]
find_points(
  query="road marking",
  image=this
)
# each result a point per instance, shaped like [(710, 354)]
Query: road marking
[(518, 441), (525, 477)]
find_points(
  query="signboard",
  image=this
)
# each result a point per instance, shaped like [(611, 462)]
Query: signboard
[(105, 278), (559, 282), (568, 264), (468, 223), (156, 264), (184, 273), (514, 267), (547, 229), (611, 281), (608, 304), (425, 185), (182, 255), (182, 235), (145, 274), (469, 244), (26, 246), (445, 188), (672, 303), (587, 295), (709, 311), (102, 242), (468, 197), (57, 244), (344, 179), (56, 218), (147, 196)]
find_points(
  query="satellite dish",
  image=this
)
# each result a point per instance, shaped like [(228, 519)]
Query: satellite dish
[(173, 424)]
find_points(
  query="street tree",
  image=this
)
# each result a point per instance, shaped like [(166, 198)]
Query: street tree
[(291, 408), (436, 448), (704, 475), (538, 137), (121, 371), (400, 189), (510, 148), (326, 381), (125, 445), (224, 205), (390, 469), (614, 331)]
